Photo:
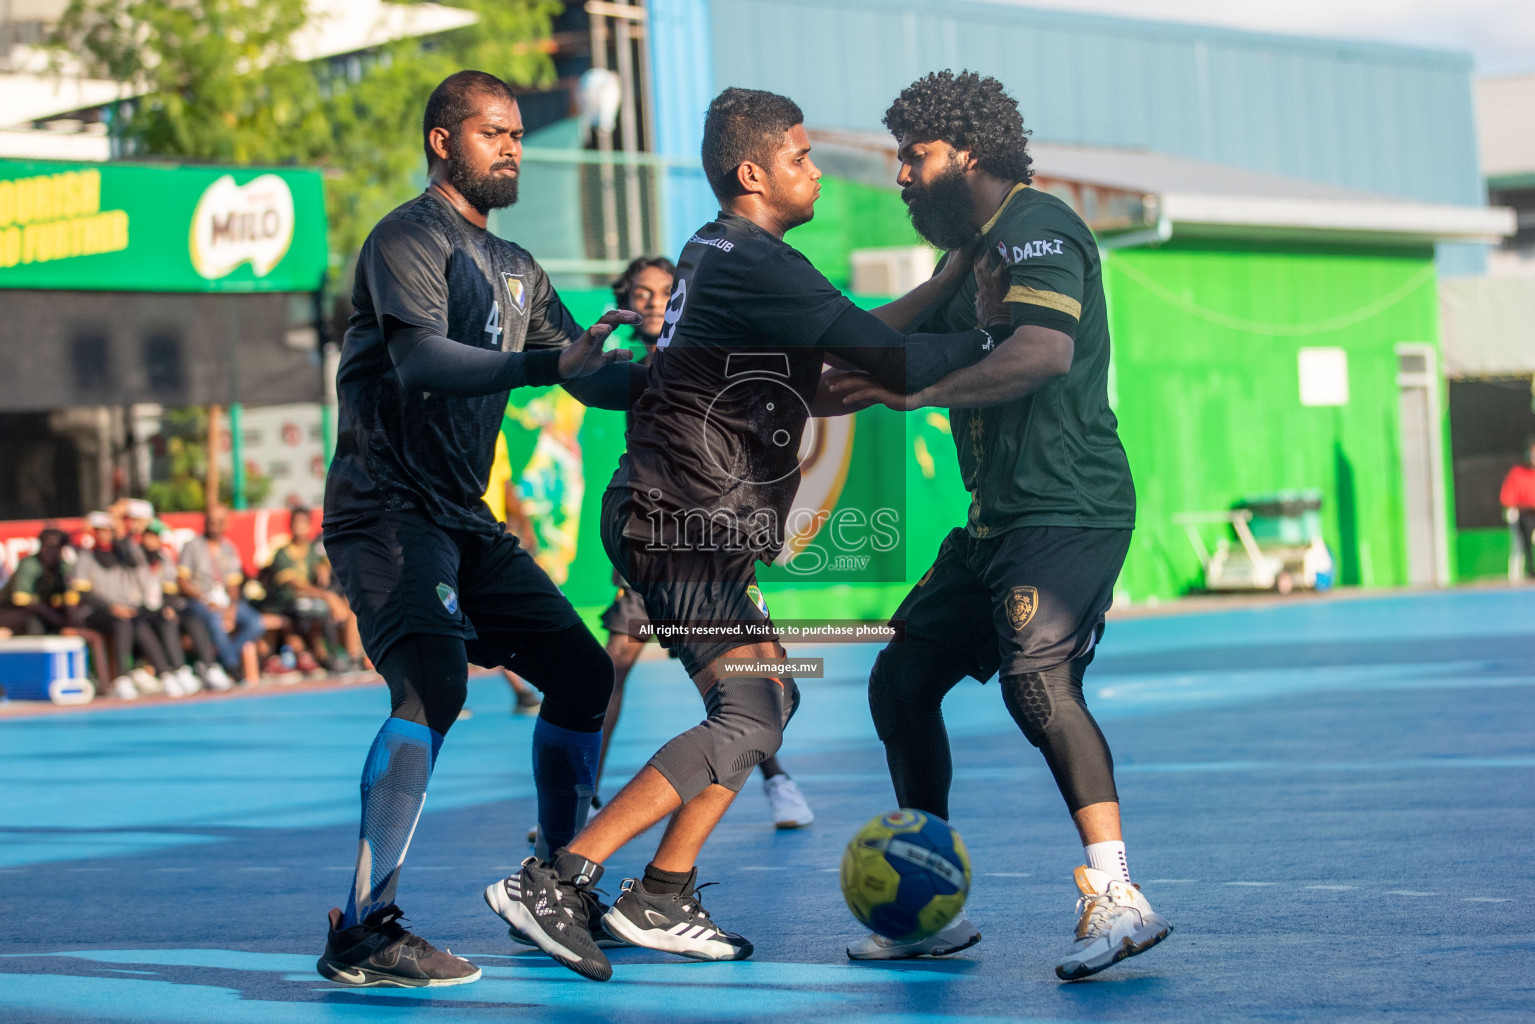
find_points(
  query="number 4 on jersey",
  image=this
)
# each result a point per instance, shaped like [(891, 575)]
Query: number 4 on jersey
[(493, 323)]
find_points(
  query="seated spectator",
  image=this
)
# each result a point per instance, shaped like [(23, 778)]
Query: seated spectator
[(1518, 500), (110, 586), (210, 576), (162, 593), (38, 599), (300, 589), (32, 600)]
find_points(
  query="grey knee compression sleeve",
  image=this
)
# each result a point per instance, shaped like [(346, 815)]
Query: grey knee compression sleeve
[(747, 715), (1049, 708)]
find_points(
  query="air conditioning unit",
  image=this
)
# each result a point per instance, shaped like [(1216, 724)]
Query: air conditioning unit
[(892, 271)]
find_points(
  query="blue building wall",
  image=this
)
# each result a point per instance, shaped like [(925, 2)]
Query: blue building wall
[(1387, 119)]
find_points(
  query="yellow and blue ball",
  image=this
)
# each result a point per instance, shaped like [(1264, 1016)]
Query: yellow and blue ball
[(906, 874)]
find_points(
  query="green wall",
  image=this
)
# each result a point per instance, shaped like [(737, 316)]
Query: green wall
[(1206, 343)]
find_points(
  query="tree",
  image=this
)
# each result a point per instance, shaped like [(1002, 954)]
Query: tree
[(216, 81), (184, 436)]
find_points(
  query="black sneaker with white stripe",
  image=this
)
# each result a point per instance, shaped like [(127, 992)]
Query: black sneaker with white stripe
[(500, 896), (553, 908), (673, 923)]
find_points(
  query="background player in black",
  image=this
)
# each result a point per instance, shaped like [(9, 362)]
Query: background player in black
[(1024, 586), (645, 287), (713, 444), (448, 319)]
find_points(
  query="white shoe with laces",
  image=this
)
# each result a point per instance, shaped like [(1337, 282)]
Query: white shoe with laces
[(789, 807), (958, 934), (190, 683), (146, 681), (123, 689), (1116, 922), (217, 679)]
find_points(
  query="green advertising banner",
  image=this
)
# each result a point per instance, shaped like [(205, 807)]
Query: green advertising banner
[(138, 227)]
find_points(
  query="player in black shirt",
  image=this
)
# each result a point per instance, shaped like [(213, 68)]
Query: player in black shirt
[(645, 286), (449, 318), (699, 498)]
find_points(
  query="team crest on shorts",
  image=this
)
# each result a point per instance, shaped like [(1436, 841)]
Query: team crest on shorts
[(517, 290), (755, 594), (1022, 603), (448, 598)]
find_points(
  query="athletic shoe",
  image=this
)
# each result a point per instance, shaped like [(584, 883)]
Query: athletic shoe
[(172, 684), (673, 923), (190, 683), (311, 668), (1116, 922), (146, 681), (217, 679), (123, 689), (500, 896), (789, 807), (380, 952), (554, 911), (958, 934)]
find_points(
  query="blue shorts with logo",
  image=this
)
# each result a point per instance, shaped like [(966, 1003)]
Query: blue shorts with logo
[(404, 574)]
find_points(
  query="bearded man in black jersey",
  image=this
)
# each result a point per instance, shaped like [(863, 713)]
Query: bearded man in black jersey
[(449, 319), (1021, 589), (709, 475)]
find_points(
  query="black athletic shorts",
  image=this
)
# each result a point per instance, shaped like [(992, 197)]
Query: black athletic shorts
[(692, 587), (626, 614), (405, 574), (1023, 601)]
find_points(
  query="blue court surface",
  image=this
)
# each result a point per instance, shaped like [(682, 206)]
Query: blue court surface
[(1332, 800)]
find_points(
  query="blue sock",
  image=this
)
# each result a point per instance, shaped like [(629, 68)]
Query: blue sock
[(394, 782), (565, 775)]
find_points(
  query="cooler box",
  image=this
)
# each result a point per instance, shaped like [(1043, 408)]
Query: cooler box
[(45, 668)]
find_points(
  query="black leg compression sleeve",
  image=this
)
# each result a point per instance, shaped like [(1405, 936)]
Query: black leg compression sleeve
[(906, 691), (573, 671), (428, 679), (747, 716), (1049, 708)]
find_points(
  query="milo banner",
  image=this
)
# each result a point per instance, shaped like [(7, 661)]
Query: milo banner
[(152, 228)]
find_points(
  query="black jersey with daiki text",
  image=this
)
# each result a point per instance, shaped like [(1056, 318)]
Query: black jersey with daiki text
[(425, 266), (715, 437)]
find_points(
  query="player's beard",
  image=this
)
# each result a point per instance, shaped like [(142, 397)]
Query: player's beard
[(941, 211), (484, 192)]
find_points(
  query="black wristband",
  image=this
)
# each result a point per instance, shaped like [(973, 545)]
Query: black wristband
[(1000, 330), (541, 367)]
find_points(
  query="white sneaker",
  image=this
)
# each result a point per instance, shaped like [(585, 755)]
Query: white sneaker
[(1116, 921), (190, 683), (789, 807), (217, 679), (123, 689), (146, 681), (958, 934)]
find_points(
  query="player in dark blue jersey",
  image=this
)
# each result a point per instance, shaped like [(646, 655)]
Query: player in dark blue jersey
[(713, 448), (449, 319)]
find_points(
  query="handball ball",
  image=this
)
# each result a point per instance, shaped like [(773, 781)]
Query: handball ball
[(906, 875)]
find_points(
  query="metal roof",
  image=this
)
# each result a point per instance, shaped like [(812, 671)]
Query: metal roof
[(1385, 119), (1178, 196)]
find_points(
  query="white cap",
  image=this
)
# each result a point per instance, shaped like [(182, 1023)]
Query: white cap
[(138, 508), (99, 521)]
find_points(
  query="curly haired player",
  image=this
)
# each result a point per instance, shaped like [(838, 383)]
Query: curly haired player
[(1022, 588)]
